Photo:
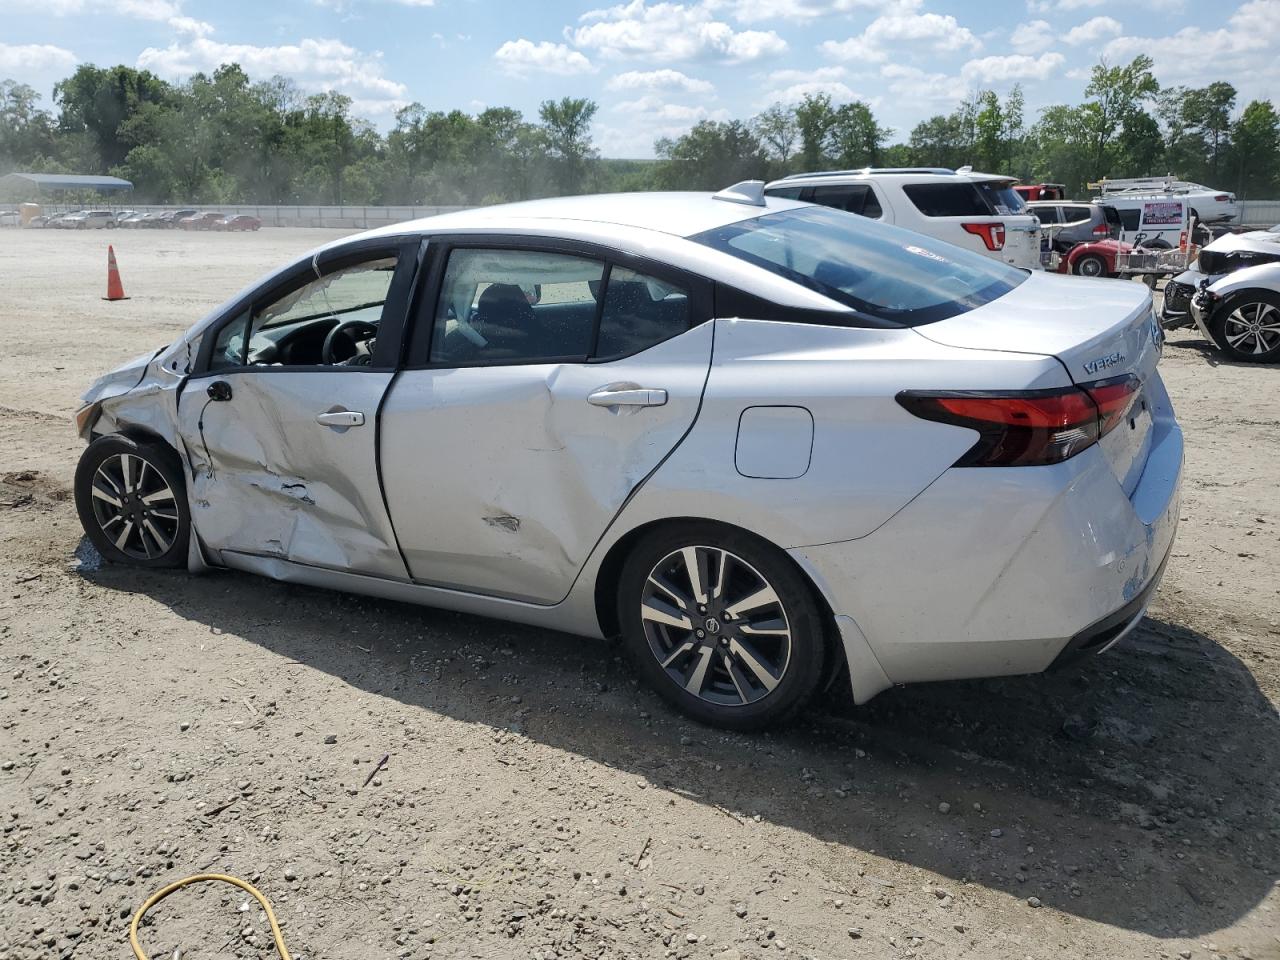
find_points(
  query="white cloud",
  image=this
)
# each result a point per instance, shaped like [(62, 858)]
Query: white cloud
[(157, 11), (669, 33), (753, 11), (1032, 37), (30, 58), (1244, 50), (524, 56), (659, 80), (1080, 4), (316, 65), (1091, 31), (792, 86), (645, 120), (913, 85), (1018, 66), (904, 24)]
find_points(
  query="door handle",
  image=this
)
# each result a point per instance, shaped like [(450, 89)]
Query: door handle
[(341, 418), (628, 397)]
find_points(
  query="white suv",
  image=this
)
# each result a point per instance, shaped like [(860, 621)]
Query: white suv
[(980, 211)]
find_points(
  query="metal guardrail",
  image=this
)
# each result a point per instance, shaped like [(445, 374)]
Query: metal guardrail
[(1259, 213), (341, 217)]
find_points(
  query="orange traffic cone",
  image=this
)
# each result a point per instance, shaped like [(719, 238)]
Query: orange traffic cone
[(115, 289)]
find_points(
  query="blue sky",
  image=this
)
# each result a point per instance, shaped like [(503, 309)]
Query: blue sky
[(655, 67)]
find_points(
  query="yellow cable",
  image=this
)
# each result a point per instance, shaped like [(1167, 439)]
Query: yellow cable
[(198, 878)]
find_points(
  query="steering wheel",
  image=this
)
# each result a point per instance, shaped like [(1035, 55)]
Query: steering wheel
[(349, 333)]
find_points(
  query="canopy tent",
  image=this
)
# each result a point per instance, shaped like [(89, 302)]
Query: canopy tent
[(42, 184)]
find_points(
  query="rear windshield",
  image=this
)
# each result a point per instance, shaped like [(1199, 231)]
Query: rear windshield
[(879, 270), (1003, 198)]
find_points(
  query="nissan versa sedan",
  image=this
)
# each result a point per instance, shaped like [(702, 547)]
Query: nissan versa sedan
[(766, 443)]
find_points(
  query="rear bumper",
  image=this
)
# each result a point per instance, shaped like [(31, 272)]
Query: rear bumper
[(998, 572)]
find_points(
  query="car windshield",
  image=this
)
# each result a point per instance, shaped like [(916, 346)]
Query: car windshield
[(1003, 198), (879, 270)]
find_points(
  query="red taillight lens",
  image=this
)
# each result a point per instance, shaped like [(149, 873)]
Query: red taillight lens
[(1101, 230), (1030, 427), (992, 234), (1222, 198)]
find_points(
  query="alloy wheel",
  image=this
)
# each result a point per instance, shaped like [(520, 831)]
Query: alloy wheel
[(1253, 328), (716, 626), (134, 506)]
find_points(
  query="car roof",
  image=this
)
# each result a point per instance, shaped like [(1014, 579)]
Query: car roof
[(905, 174), (676, 214)]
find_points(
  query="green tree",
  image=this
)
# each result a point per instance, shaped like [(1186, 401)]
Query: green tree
[(778, 132), (27, 136), (711, 156), (854, 139), (1255, 151), (98, 102), (814, 118), (567, 123), (1115, 95)]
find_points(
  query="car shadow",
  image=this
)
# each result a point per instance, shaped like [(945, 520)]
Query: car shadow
[(1143, 778), (1214, 357)]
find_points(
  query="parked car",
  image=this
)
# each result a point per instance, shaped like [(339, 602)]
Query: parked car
[(123, 215), (978, 211), (1041, 191), (96, 220), (40, 220), (820, 491), (134, 221), (240, 221), (200, 221), (9, 218), (1232, 294), (69, 220), (1074, 223), (1203, 203), (1099, 258), (171, 218)]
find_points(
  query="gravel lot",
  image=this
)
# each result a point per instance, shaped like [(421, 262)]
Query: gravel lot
[(536, 802)]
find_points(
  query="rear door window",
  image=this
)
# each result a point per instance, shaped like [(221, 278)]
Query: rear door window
[(959, 199), (787, 193), (1046, 214), (1076, 214), (856, 198), (639, 312)]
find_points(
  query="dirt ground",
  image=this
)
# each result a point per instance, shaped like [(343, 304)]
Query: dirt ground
[(536, 802)]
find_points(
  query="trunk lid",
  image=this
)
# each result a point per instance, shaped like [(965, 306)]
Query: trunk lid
[(1097, 329)]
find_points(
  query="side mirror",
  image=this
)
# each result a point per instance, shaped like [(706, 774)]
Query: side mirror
[(219, 390)]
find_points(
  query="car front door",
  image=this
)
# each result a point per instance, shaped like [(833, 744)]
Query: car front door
[(545, 384), (280, 418)]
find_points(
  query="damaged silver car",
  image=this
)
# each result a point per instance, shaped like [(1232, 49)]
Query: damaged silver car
[(767, 443)]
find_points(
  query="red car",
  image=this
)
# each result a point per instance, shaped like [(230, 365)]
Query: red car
[(241, 221), (1041, 191), (1096, 259)]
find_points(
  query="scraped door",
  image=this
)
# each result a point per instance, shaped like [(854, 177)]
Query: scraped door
[(503, 471)]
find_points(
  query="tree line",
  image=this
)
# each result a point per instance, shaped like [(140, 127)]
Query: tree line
[(222, 138)]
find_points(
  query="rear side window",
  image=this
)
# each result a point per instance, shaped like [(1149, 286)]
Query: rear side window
[(878, 270), (1112, 215), (856, 198), (1046, 214), (639, 311), (1076, 214), (960, 199), (787, 193), (1001, 197), (1130, 218)]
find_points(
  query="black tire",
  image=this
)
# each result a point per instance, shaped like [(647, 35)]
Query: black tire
[(1227, 326), (139, 501), (731, 693), (1090, 265)]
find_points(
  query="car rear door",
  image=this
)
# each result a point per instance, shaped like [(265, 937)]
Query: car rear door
[(519, 430), (955, 210)]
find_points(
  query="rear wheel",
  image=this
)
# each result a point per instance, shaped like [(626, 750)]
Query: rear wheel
[(131, 501), (1091, 265), (1247, 326), (722, 625)]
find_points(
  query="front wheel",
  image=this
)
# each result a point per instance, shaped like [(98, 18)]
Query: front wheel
[(1247, 326), (1091, 266), (721, 625), (131, 501)]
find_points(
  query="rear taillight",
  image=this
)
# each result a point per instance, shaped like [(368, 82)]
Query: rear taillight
[(1101, 230), (992, 234), (1222, 197), (1028, 428)]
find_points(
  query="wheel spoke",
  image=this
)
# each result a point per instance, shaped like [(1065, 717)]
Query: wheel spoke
[(162, 541), (173, 517), (693, 565), (698, 678), (751, 660), (677, 653), (101, 494), (126, 472), (124, 534), (765, 595), (655, 611), (766, 628), (682, 599), (110, 481), (159, 496), (732, 670)]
